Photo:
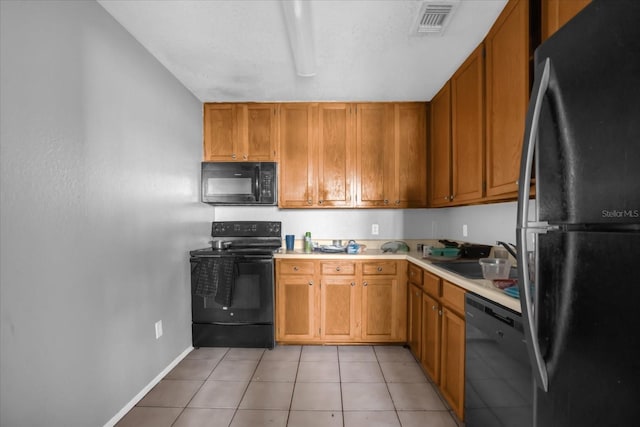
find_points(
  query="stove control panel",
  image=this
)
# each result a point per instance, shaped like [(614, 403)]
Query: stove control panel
[(246, 229)]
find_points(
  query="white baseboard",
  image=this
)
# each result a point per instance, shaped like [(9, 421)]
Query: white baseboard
[(117, 417)]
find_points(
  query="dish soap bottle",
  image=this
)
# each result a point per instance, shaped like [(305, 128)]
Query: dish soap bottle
[(308, 247)]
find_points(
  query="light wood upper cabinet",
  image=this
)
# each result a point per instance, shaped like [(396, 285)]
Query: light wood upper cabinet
[(317, 155), (296, 171), (507, 96), (336, 155), (240, 132), (467, 122), (221, 132), (411, 141), (391, 155), (556, 13), (440, 148), (375, 154)]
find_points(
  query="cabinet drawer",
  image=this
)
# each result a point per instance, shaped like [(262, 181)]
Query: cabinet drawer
[(337, 267), (415, 275), (296, 267), (453, 297), (431, 284), (382, 267)]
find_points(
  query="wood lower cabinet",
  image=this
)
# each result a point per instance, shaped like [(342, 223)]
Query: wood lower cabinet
[(414, 307), (430, 338), (296, 307), (339, 301), (442, 335), (452, 360), (347, 301)]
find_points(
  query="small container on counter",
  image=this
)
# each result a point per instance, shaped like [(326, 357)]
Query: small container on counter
[(308, 246)]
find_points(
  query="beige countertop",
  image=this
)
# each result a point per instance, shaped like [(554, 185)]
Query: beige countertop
[(484, 288)]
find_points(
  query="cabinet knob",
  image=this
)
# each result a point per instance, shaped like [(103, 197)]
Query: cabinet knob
[(310, 282), (386, 202), (451, 197), (379, 269), (308, 201), (353, 283), (244, 157), (320, 202), (338, 268), (397, 202), (295, 268), (364, 284), (446, 197), (233, 156), (434, 307)]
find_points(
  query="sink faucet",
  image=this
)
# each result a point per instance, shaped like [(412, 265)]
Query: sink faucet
[(510, 247)]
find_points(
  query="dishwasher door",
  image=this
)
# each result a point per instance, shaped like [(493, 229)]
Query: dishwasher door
[(498, 379)]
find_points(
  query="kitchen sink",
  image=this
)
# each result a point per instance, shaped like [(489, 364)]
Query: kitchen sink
[(469, 269)]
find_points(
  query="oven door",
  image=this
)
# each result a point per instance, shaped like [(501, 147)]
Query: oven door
[(251, 293)]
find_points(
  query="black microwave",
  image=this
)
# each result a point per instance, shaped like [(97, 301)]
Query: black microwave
[(239, 183)]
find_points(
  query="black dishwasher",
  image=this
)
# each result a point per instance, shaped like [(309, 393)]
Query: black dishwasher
[(498, 381)]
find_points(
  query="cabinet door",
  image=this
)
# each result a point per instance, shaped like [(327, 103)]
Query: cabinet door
[(440, 148), (430, 328), (336, 155), (507, 95), (375, 155), (260, 132), (556, 13), (297, 147), (411, 157), (339, 304), (220, 128), (452, 360), (467, 115), (295, 308), (414, 338), (383, 309)]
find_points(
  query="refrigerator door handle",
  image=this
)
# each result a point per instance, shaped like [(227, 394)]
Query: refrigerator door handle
[(523, 224), (530, 136)]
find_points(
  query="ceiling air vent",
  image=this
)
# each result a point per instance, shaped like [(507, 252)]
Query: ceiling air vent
[(434, 16)]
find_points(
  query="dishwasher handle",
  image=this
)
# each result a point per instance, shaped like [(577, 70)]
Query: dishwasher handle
[(504, 319)]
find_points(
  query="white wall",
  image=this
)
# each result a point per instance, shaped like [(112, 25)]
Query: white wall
[(100, 152), (485, 223)]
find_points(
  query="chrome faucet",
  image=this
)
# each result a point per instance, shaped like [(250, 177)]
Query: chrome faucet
[(510, 247)]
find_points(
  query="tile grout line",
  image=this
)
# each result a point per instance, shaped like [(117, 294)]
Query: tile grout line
[(386, 383), (235, 412), (201, 385), (295, 381)]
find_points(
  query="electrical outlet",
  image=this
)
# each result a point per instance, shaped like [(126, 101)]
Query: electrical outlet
[(465, 230), (158, 329), (375, 229)]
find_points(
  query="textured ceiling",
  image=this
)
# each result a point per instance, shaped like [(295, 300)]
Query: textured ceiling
[(238, 50)]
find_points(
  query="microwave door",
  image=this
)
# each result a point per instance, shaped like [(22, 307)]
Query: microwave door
[(256, 184)]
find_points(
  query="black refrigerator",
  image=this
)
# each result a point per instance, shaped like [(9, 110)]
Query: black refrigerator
[(579, 241)]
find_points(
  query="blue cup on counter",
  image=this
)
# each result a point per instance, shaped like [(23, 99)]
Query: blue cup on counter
[(290, 240)]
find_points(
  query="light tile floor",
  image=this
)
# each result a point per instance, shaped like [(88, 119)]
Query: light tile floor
[(309, 386)]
